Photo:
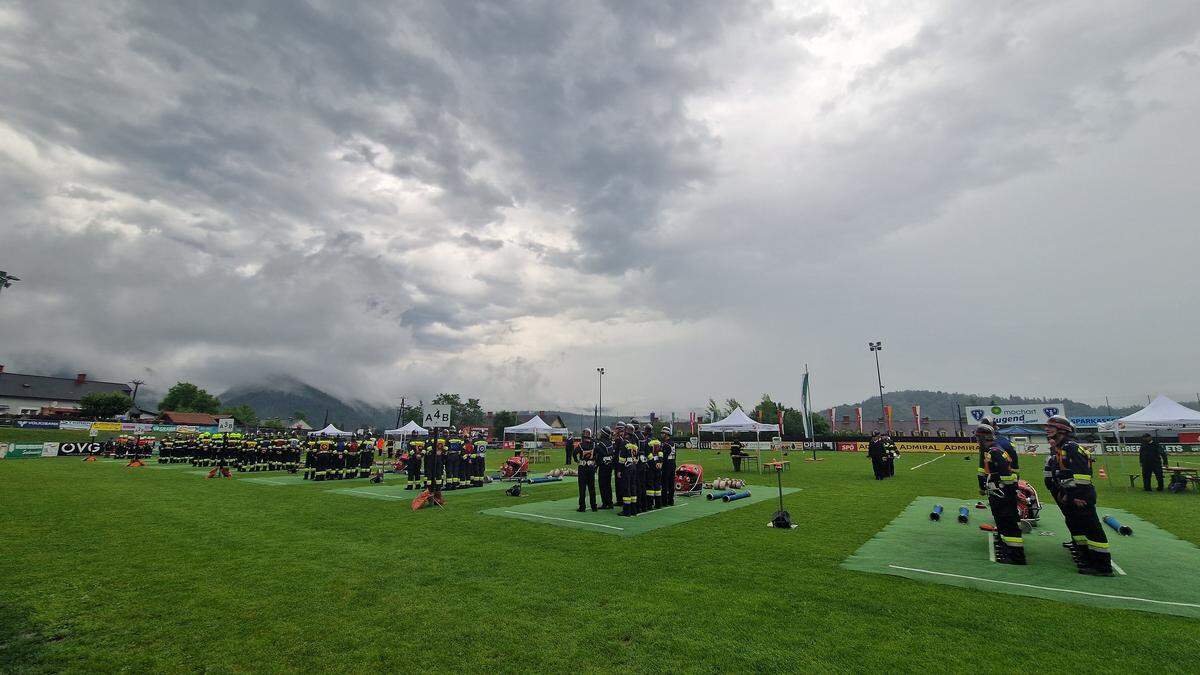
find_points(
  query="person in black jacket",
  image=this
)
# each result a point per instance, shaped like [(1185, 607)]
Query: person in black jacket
[(667, 477), (875, 452), (736, 454), (587, 470), (1153, 457), (605, 460), (569, 446)]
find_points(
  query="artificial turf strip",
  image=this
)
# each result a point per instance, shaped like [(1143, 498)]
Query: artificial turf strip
[(563, 513), (397, 492), (112, 569), (1158, 568)]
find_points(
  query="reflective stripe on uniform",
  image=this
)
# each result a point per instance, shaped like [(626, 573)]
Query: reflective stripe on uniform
[(1013, 541), (1098, 544)]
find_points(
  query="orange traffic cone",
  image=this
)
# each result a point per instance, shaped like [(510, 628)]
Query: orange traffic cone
[(1103, 473)]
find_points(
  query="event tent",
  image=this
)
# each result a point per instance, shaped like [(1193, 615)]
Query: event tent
[(534, 426), (738, 421), (1162, 414), (410, 429), (330, 431)]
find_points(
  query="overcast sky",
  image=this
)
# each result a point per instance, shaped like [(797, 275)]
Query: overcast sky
[(497, 198)]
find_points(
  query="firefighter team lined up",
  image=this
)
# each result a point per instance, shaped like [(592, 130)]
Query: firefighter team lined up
[(1068, 477)]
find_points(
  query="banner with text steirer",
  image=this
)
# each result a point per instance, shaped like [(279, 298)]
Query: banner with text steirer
[(1025, 413)]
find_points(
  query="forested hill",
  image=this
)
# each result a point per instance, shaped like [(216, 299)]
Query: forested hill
[(940, 405)]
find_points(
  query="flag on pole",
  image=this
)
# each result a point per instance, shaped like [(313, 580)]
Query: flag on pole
[(917, 417), (805, 403), (858, 418), (887, 416)]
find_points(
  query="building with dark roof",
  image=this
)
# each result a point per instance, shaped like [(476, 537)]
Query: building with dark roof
[(22, 394)]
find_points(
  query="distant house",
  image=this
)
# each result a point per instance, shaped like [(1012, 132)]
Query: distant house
[(300, 425), (22, 394), (190, 419)]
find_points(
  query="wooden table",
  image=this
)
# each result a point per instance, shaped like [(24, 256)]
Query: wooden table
[(783, 464)]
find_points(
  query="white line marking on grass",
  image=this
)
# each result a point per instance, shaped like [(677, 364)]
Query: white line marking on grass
[(1120, 571), (1046, 588), (565, 520), (929, 462), (991, 547), (377, 495)]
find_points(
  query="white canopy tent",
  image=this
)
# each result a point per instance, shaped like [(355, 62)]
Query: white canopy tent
[(330, 431), (738, 421), (410, 429), (1162, 414), (536, 425)]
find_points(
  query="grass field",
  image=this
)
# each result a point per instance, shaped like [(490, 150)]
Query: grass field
[(157, 569)]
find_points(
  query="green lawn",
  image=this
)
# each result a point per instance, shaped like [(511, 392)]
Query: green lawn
[(157, 569)]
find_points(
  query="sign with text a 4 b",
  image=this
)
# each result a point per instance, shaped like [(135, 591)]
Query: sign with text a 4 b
[(435, 416)]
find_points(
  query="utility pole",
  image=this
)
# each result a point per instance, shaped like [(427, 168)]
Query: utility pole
[(135, 383), (400, 412)]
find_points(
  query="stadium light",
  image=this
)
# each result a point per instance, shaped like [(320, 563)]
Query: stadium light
[(877, 347), (6, 280)]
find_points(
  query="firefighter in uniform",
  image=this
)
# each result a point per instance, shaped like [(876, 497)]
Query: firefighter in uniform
[(1073, 471), (366, 458), (453, 458), (654, 466), (875, 453), (604, 461), (666, 480), (435, 463), (412, 464), (587, 470), (324, 461), (628, 459), (1001, 485), (618, 446), (643, 469), (480, 463)]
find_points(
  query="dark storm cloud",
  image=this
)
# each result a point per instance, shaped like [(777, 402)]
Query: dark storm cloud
[(354, 194)]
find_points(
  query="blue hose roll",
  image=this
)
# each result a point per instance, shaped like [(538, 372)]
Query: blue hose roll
[(1116, 525), (717, 495), (734, 496), (544, 479), (936, 513), (964, 514)]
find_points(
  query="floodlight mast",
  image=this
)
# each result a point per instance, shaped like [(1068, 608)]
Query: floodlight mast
[(875, 348)]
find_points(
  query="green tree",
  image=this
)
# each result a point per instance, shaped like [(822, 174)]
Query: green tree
[(301, 416), (820, 425), (187, 397), (105, 404), (731, 404), (472, 414), (273, 423), (713, 411), (503, 418), (243, 414)]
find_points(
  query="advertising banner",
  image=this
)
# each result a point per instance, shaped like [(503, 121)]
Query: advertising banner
[(78, 449), (852, 446), (1091, 422), (1027, 413), (936, 446), (49, 449), (37, 424), (1190, 438), (23, 450), (75, 425), (106, 426)]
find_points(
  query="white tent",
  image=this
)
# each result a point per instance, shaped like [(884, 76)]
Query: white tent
[(536, 425), (1162, 414), (410, 429), (738, 421), (330, 431)]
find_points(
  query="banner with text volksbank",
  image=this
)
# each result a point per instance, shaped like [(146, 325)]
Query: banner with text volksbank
[(1026, 413)]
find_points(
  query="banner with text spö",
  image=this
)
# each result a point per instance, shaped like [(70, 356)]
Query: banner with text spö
[(1026, 413)]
